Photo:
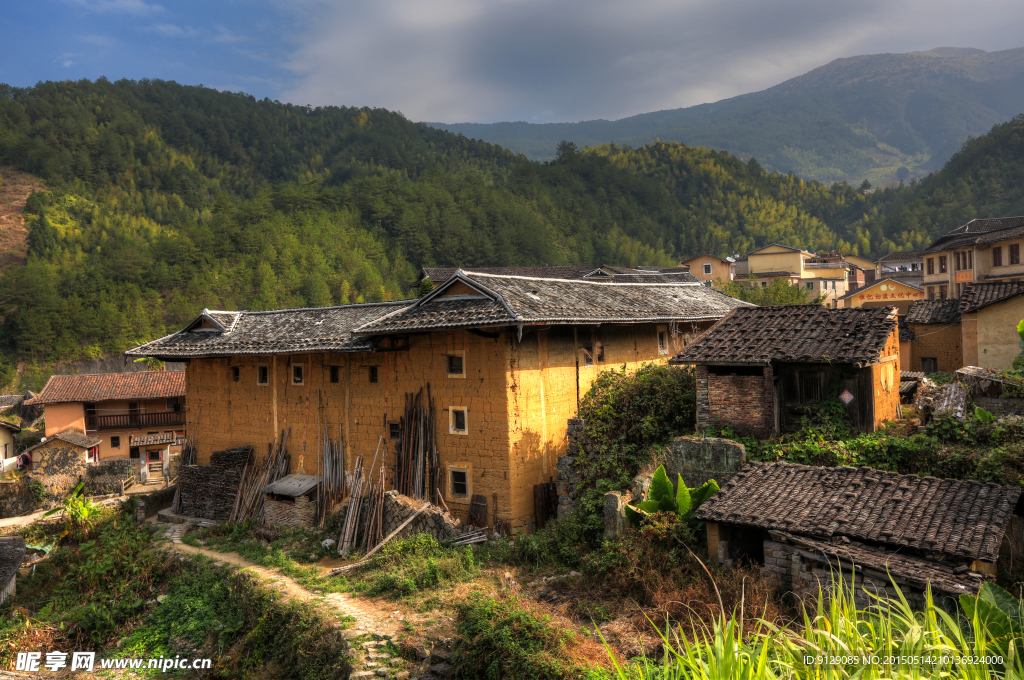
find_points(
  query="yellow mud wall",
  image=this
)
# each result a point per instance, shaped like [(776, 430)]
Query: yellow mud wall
[(772, 261), (60, 417), (885, 382), (998, 343), (6, 443)]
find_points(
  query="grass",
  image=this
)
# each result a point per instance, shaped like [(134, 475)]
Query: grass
[(833, 641)]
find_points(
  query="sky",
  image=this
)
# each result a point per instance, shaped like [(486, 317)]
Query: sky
[(482, 60)]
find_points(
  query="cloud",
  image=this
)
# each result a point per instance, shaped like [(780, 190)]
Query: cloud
[(174, 31), (136, 7), (486, 60)]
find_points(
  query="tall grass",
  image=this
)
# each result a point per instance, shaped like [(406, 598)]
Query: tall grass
[(835, 641)]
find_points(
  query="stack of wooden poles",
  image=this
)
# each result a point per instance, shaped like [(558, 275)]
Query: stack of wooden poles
[(375, 514), (372, 504), (256, 476), (332, 477), (417, 464), (188, 457)]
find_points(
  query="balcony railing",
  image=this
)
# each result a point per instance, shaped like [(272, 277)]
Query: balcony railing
[(826, 265), (129, 420)]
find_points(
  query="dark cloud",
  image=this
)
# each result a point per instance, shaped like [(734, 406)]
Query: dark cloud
[(538, 60)]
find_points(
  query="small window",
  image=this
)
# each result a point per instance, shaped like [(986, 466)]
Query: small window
[(662, 342), (457, 421), (764, 284), (1014, 253), (394, 430), (810, 285), (942, 292), (942, 264), (970, 259), (373, 374), (929, 365), (263, 374), (707, 268), (997, 256), (931, 265), (115, 442), (931, 292), (133, 452), (454, 364), (335, 374), (298, 374), (460, 483), (235, 373), (173, 404), (90, 409)]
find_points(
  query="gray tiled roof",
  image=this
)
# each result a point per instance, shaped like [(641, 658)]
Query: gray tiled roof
[(760, 335), (10, 426), (441, 274), (10, 400), (293, 485), (978, 295), (513, 300), (317, 329), (74, 437), (934, 311), (979, 232), (12, 553), (901, 256), (964, 519)]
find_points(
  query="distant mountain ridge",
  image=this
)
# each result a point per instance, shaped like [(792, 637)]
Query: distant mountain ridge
[(854, 118)]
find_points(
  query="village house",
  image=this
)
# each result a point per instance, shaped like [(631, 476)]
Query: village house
[(60, 460), (805, 525), (906, 266), (832, 275), (710, 268), (936, 343), (761, 369), (989, 314), (12, 554), (884, 293), (8, 434), (506, 358), (138, 416), (981, 251)]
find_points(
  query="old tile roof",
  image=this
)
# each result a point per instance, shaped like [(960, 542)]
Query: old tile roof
[(441, 274), (293, 485), (979, 232), (10, 426), (133, 386), (7, 400), (317, 329), (934, 311), (515, 300), (979, 295), (760, 335), (915, 571), (962, 519), (152, 439), (75, 437), (901, 256), (12, 553), (649, 277)]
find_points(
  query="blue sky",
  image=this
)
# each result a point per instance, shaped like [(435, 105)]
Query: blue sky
[(482, 60)]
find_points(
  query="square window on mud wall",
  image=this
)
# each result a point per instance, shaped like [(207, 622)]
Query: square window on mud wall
[(460, 481), (298, 374), (455, 364), (458, 420), (663, 346)]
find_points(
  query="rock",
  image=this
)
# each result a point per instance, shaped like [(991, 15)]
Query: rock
[(421, 653), (384, 636), (443, 670), (403, 675), (395, 662), (361, 674), (440, 656), (699, 459), (382, 672)]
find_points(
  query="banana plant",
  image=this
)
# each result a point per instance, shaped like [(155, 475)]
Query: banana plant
[(1000, 613), (662, 497)]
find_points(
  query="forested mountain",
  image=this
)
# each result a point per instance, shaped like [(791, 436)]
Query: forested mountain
[(162, 199), (855, 118)]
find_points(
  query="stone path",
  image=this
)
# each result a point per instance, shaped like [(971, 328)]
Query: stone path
[(369, 639)]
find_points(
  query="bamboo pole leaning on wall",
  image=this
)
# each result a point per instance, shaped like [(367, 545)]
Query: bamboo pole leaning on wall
[(257, 476), (331, 488), (417, 464), (188, 457)]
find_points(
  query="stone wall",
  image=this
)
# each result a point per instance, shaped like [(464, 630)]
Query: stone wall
[(699, 459), (805, 575), (300, 512), (59, 466), (106, 476), (15, 499), (744, 402), (434, 521)]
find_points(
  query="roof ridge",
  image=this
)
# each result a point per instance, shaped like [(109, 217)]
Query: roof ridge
[(470, 274)]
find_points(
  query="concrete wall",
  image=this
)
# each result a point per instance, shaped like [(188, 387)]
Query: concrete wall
[(936, 341), (776, 260), (744, 402), (518, 395), (719, 270)]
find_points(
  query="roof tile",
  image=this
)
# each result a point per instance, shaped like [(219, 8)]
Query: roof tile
[(135, 386), (934, 311)]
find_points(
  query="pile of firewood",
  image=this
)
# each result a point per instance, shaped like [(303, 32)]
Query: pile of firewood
[(417, 464), (256, 477)]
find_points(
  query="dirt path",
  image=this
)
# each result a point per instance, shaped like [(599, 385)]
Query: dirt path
[(15, 188)]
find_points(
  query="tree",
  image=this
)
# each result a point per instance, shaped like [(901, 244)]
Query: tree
[(779, 292), (566, 151)]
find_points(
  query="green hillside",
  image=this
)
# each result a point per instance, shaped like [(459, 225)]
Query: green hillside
[(166, 198), (856, 118)]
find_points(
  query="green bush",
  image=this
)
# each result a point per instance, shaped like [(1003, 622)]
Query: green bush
[(416, 564)]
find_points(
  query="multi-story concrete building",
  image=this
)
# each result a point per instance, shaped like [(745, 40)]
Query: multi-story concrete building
[(906, 266), (710, 268), (981, 251), (832, 275)]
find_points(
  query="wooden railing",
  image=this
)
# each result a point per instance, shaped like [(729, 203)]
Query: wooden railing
[(130, 420)]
